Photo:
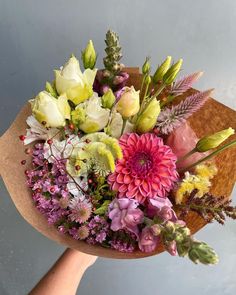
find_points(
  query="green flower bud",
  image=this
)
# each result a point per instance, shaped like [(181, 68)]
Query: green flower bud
[(147, 120), (108, 99), (146, 66), (201, 252), (210, 142), (173, 71), (89, 56), (148, 80), (156, 229), (161, 70), (50, 89), (183, 247)]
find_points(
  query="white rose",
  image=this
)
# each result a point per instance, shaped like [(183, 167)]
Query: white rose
[(50, 111)]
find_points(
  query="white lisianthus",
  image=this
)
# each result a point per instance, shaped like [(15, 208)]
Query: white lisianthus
[(50, 111), (116, 126), (77, 85), (96, 117)]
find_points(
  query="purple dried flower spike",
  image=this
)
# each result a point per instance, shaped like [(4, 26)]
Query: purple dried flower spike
[(171, 118), (185, 83)]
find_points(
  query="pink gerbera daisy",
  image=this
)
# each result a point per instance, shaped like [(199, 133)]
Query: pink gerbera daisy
[(147, 169)]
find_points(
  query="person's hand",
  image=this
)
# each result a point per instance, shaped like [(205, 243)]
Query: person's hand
[(84, 260), (64, 277)]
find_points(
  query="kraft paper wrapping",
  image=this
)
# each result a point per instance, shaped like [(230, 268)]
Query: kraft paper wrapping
[(213, 117)]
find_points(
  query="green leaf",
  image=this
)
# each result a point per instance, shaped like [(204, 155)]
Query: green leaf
[(103, 209)]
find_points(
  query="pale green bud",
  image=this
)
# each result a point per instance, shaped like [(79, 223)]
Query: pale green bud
[(156, 229), (147, 120), (183, 247), (50, 89), (173, 71), (89, 56), (161, 70), (201, 252), (108, 99), (146, 66), (148, 80), (212, 141)]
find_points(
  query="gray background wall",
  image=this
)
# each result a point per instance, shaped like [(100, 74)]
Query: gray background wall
[(38, 36)]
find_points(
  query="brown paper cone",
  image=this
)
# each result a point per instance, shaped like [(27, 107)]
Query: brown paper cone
[(211, 118)]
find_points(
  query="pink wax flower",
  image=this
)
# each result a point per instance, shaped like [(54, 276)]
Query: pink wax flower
[(125, 215), (146, 170), (147, 240), (182, 140)]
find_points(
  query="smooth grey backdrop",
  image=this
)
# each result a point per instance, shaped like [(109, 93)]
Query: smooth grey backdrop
[(38, 36)]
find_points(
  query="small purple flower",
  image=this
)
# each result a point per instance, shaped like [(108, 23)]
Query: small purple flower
[(98, 227), (125, 215), (161, 207), (123, 241), (147, 240)]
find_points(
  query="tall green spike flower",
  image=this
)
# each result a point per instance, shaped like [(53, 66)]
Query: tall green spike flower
[(113, 51)]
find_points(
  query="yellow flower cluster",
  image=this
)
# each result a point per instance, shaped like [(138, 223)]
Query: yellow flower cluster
[(200, 181)]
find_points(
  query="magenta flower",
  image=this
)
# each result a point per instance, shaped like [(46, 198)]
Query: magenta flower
[(125, 215), (146, 170), (147, 240)]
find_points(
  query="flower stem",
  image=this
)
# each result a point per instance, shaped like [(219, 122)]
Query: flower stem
[(170, 98), (124, 124), (224, 147), (187, 155)]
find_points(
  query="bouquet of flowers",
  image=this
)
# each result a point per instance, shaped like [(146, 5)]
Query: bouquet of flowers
[(120, 167)]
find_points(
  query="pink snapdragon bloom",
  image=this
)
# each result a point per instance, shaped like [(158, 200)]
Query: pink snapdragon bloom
[(182, 140), (125, 215), (147, 240), (162, 208), (146, 170)]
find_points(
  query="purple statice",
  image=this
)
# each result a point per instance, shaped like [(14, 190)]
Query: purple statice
[(99, 228), (48, 181), (123, 241), (171, 118)]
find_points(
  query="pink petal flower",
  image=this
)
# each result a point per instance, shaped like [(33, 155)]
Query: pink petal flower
[(147, 169), (182, 140), (147, 240)]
